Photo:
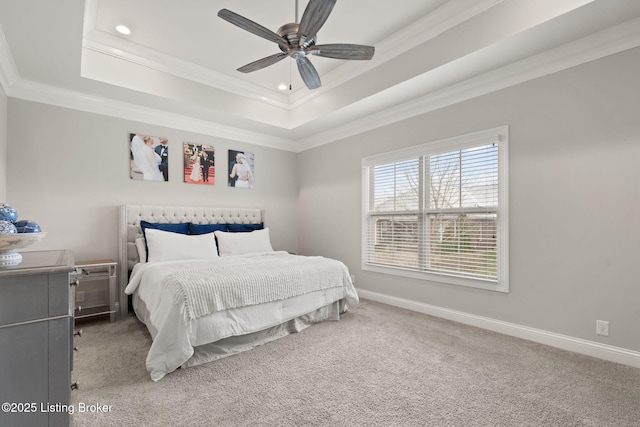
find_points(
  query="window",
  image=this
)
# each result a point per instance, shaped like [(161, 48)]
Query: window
[(438, 211)]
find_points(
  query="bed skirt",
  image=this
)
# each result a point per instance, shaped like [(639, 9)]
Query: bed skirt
[(238, 344)]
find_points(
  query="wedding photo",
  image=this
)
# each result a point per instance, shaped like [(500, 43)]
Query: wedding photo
[(241, 169), (199, 164), (149, 157)]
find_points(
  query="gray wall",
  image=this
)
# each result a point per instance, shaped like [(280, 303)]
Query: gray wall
[(3, 145), (69, 171), (574, 193), (574, 201)]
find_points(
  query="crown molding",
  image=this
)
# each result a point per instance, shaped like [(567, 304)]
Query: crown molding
[(8, 70), (613, 40), (36, 92), (608, 42), (107, 44), (114, 47)]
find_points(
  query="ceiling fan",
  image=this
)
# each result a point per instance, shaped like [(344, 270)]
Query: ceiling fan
[(299, 41)]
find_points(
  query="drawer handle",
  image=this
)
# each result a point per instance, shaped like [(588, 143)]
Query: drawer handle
[(75, 386), (76, 348), (78, 333), (75, 281)]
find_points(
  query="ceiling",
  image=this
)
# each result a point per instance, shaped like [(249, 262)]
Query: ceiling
[(178, 66)]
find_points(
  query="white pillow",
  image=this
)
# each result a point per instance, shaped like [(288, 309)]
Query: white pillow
[(243, 243), (142, 251), (168, 246)]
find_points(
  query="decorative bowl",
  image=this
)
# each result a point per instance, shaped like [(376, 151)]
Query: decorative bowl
[(10, 242)]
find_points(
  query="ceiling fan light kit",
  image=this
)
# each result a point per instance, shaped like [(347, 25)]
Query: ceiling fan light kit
[(298, 41)]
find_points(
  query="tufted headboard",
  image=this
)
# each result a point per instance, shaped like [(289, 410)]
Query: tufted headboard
[(131, 215)]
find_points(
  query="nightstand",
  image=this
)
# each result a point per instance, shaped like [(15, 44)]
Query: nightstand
[(97, 289)]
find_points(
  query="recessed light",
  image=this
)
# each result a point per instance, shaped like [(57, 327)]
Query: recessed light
[(283, 86), (122, 29)]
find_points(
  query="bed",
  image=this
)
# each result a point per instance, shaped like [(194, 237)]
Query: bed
[(219, 288)]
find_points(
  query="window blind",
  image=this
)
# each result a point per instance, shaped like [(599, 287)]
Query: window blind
[(437, 209)]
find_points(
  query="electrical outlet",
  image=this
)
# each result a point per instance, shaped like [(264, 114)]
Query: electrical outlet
[(602, 328), (80, 296)]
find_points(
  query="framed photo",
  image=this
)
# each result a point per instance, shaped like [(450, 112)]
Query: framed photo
[(241, 167), (199, 164), (149, 159)]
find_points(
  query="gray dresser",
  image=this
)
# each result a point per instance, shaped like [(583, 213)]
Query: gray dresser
[(36, 339)]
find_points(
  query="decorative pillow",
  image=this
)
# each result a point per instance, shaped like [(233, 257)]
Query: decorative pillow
[(243, 243), (241, 228), (206, 228), (141, 246), (182, 228), (170, 246)]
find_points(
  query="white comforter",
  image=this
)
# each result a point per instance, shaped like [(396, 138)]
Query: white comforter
[(254, 292)]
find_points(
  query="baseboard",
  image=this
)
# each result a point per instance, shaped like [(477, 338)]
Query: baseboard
[(589, 348)]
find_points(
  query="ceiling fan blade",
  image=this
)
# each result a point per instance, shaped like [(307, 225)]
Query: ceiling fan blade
[(342, 51), (262, 63), (313, 18), (308, 72), (252, 27)]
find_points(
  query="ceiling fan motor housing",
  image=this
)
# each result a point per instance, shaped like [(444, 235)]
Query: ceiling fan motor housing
[(290, 33)]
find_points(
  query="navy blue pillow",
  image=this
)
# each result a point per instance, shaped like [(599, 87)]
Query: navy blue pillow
[(240, 228), (206, 228), (181, 228)]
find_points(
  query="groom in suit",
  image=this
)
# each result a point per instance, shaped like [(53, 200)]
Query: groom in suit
[(205, 162), (163, 151)]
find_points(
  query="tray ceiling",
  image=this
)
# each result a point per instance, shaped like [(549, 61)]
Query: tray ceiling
[(178, 65)]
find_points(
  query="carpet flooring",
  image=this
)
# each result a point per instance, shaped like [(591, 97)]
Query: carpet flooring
[(378, 366)]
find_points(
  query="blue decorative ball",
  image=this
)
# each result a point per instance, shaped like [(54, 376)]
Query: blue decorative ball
[(8, 213), (7, 227), (26, 226)]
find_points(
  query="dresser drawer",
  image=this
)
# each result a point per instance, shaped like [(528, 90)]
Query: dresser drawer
[(36, 370), (33, 297)]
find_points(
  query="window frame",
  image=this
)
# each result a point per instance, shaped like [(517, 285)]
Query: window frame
[(471, 140)]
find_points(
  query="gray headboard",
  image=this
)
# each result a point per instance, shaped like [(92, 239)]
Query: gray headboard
[(131, 215)]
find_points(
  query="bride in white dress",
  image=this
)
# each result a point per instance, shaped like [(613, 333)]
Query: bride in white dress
[(242, 171), (145, 158), (195, 169)]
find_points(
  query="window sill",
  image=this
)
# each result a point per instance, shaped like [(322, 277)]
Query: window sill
[(489, 285)]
